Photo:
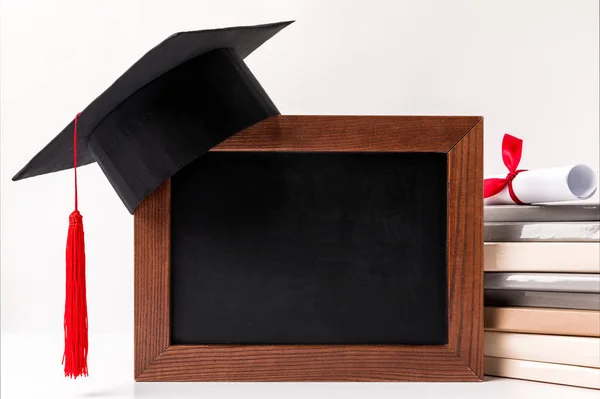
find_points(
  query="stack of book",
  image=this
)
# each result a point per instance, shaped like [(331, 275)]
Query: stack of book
[(542, 293)]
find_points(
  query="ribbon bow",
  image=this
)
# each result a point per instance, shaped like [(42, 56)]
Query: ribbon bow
[(511, 155)]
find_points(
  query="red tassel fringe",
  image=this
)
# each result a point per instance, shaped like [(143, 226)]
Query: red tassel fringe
[(76, 321)]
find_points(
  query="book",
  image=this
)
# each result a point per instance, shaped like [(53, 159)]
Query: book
[(542, 299), (573, 257), (534, 231), (586, 212), (575, 351), (585, 323), (555, 282), (586, 377)]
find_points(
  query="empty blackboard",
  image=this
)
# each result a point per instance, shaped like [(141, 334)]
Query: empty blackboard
[(317, 248), (309, 248)]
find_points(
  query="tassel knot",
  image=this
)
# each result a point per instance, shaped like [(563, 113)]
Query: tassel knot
[(75, 218)]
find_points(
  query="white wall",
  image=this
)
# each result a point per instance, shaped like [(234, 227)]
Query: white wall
[(529, 67)]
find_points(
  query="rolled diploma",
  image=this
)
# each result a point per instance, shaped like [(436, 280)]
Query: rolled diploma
[(564, 183)]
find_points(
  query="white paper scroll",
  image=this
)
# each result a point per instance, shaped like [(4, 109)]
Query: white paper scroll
[(565, 183)]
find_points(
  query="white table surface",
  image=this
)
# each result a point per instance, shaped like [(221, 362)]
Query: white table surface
[(31, 369)]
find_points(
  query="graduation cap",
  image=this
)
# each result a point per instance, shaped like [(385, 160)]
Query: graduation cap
[(183, 97)]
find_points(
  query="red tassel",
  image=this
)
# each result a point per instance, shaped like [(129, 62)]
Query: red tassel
[(76, 321)]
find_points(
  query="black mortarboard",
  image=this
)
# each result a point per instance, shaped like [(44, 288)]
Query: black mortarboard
[(180, 99)]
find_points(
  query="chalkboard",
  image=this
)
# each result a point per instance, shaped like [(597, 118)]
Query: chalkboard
[(317, 248), (309, 248)]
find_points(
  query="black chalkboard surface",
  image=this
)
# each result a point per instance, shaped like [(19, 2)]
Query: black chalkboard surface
[(309, 248)]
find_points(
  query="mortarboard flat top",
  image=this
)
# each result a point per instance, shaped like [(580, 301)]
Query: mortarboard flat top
[(180, 99)]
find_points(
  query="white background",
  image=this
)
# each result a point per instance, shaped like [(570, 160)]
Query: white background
[(529, 67)]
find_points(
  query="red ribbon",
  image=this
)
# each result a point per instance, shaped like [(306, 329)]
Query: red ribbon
[(511, 155)]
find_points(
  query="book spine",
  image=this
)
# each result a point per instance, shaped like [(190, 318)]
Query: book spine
[(542, 257), (585, 377), (541, 299), (583, 323), (551, 231), (575, 351), (542, 213), (554, 282)]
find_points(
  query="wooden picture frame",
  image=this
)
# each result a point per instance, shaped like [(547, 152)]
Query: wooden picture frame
[(461, 359)]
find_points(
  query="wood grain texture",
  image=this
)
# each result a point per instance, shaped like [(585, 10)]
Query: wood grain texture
[(152, 253), (465, 249), (307, 363), (460, 360), (352, 133)]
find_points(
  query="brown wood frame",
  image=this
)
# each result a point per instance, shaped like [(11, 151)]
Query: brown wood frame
[(461, 359)]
